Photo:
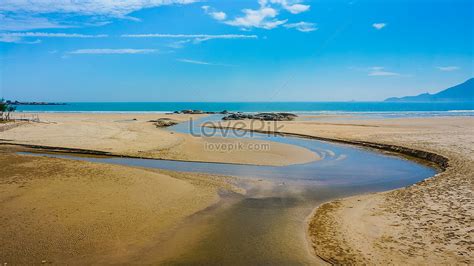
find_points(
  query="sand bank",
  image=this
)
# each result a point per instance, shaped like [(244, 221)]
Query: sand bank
[(131, 134), (429, 222), (64, 211)]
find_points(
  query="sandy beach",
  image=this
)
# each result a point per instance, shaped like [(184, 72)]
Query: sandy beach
[(57, 210), (132, 134), (429, 222), (64, 211)]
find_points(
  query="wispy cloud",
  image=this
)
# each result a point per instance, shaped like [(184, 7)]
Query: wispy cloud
[(16, 22), (198, 62), (196, 38), (448, 68), (102, 7), (217, 15), (178, 44), (51, 35), (379, 26), (19, 37), (264, 17), (28, 15), (380, 71), (113, 51), (192, 36), (14, 39), (301, 26)]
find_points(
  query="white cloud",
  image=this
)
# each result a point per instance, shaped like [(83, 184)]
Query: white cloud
[(448, 68), (27, 14), (297, 8), (301, 26), (291, 6), (380, 71), (14, 39), (197, 62), (15, 22), (217, 15), (265, 17), (51, 35), (113, 51), (197, 38), (379, 26), (19, 37), (178, 44), (260, 18), (110, 8)]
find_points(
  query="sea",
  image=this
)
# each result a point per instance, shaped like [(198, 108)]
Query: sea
[(376, 109)]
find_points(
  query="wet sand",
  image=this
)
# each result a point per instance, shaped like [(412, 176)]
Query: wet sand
[(429, 222), (70, 212), (121, 134)]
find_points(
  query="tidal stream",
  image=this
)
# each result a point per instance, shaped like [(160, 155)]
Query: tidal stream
[(268, 224)]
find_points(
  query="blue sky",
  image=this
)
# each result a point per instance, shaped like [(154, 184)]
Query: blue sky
[(246, 50)]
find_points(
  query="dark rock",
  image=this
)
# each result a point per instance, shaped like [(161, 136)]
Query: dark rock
[(194, 112), (164, 122), (261, 116), (191, 112)]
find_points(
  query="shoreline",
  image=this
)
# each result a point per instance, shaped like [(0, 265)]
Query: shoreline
[(86, 152), (134, 135), (429, 157)]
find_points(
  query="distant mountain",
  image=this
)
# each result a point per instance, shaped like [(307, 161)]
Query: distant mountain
[(463, 92)]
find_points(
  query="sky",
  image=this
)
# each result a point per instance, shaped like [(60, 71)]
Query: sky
[(242, 50)]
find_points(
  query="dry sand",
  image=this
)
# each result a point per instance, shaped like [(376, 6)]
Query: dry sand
[(431, 222), (120, 134), (72, 212)]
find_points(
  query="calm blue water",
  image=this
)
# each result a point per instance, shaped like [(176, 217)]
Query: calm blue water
[(428, 109)]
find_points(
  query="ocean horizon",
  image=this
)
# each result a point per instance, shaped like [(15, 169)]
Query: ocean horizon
[(383, 108)]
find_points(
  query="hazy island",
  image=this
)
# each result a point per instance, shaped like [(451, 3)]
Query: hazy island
[(32, 103)]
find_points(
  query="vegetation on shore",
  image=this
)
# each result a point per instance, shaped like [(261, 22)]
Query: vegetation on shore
[(5, 110)]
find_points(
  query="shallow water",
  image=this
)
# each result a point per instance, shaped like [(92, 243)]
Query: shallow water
[(267, 225)]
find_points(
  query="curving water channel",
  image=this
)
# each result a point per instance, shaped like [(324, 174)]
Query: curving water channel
[(267, 225)]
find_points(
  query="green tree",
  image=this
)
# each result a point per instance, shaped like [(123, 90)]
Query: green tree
[(10, 109), (3, 108), (6, 109)]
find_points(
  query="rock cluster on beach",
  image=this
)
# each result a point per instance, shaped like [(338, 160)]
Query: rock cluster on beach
[(197, 112), (261, 116), (164, 122), (242, 116)]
